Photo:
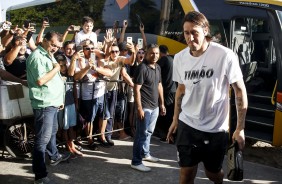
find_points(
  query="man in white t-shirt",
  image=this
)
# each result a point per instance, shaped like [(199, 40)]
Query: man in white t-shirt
[(92, 91), (204, 72), (86, 32)]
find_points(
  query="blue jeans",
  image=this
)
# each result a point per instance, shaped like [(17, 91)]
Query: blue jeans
[(144, 131), (111, 101), (45, 129)]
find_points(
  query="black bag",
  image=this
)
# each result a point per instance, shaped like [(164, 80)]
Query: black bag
[(234, 163)]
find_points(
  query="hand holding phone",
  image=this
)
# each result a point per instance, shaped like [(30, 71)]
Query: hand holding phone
[(125, 23), (46, 19)]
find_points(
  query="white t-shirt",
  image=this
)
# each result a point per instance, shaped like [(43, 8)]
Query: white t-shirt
[(81, 36), (207, 78), (87, 87)]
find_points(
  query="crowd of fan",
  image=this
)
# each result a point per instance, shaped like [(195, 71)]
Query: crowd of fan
[(87, 66)]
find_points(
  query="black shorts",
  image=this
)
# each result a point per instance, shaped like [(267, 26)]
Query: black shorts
[(195, 146)]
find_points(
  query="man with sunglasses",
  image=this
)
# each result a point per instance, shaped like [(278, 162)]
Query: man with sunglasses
[(92, 91), (117, 64), (46, 91)]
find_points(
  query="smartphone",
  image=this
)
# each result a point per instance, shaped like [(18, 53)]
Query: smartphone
[(46, 19), (93, 56), (140, 43), (125, 22), (6, 26), (76, 28), (26, 23), (139, 19), (79, 48), (129, 39), (116, 24), (29, 34)]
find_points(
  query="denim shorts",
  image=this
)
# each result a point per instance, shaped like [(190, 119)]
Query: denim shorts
[(89, 109), (196, 146), (67, 117)]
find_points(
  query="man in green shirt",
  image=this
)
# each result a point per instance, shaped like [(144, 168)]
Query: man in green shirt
[(46, 91)]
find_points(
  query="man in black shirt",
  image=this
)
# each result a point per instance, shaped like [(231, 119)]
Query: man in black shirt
[(148, 92), (169, 88)]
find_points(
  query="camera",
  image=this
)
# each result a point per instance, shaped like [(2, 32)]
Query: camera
[(5, 26)]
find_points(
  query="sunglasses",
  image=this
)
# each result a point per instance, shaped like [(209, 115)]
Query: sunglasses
[(114, 51), (88, 48)]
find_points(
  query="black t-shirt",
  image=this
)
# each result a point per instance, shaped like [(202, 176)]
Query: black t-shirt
[(18, 67), (166, 64), (149, 78), (132, 69)]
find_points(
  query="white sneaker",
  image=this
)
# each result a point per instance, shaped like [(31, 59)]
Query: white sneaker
[(151, 159), (141, 167), (44, 180)]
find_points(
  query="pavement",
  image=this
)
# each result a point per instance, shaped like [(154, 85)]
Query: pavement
[(112, 166)]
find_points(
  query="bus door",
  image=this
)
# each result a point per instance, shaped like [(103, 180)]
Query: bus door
[(257, 42)]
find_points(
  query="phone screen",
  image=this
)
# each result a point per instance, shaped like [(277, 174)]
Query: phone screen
[(140, 43), (129, 39), (92, 56)]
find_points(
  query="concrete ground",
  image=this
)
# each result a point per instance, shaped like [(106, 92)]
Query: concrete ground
[(112, 166)]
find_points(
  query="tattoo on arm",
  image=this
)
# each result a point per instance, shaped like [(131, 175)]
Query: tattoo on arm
[(241, 112), (179, 101)]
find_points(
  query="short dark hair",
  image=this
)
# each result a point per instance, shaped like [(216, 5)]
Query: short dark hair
[(66, 43), (122, 46), (16, 38), (60, 57), (87, 19), (164, 49), (49, 35), (151, 46)]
